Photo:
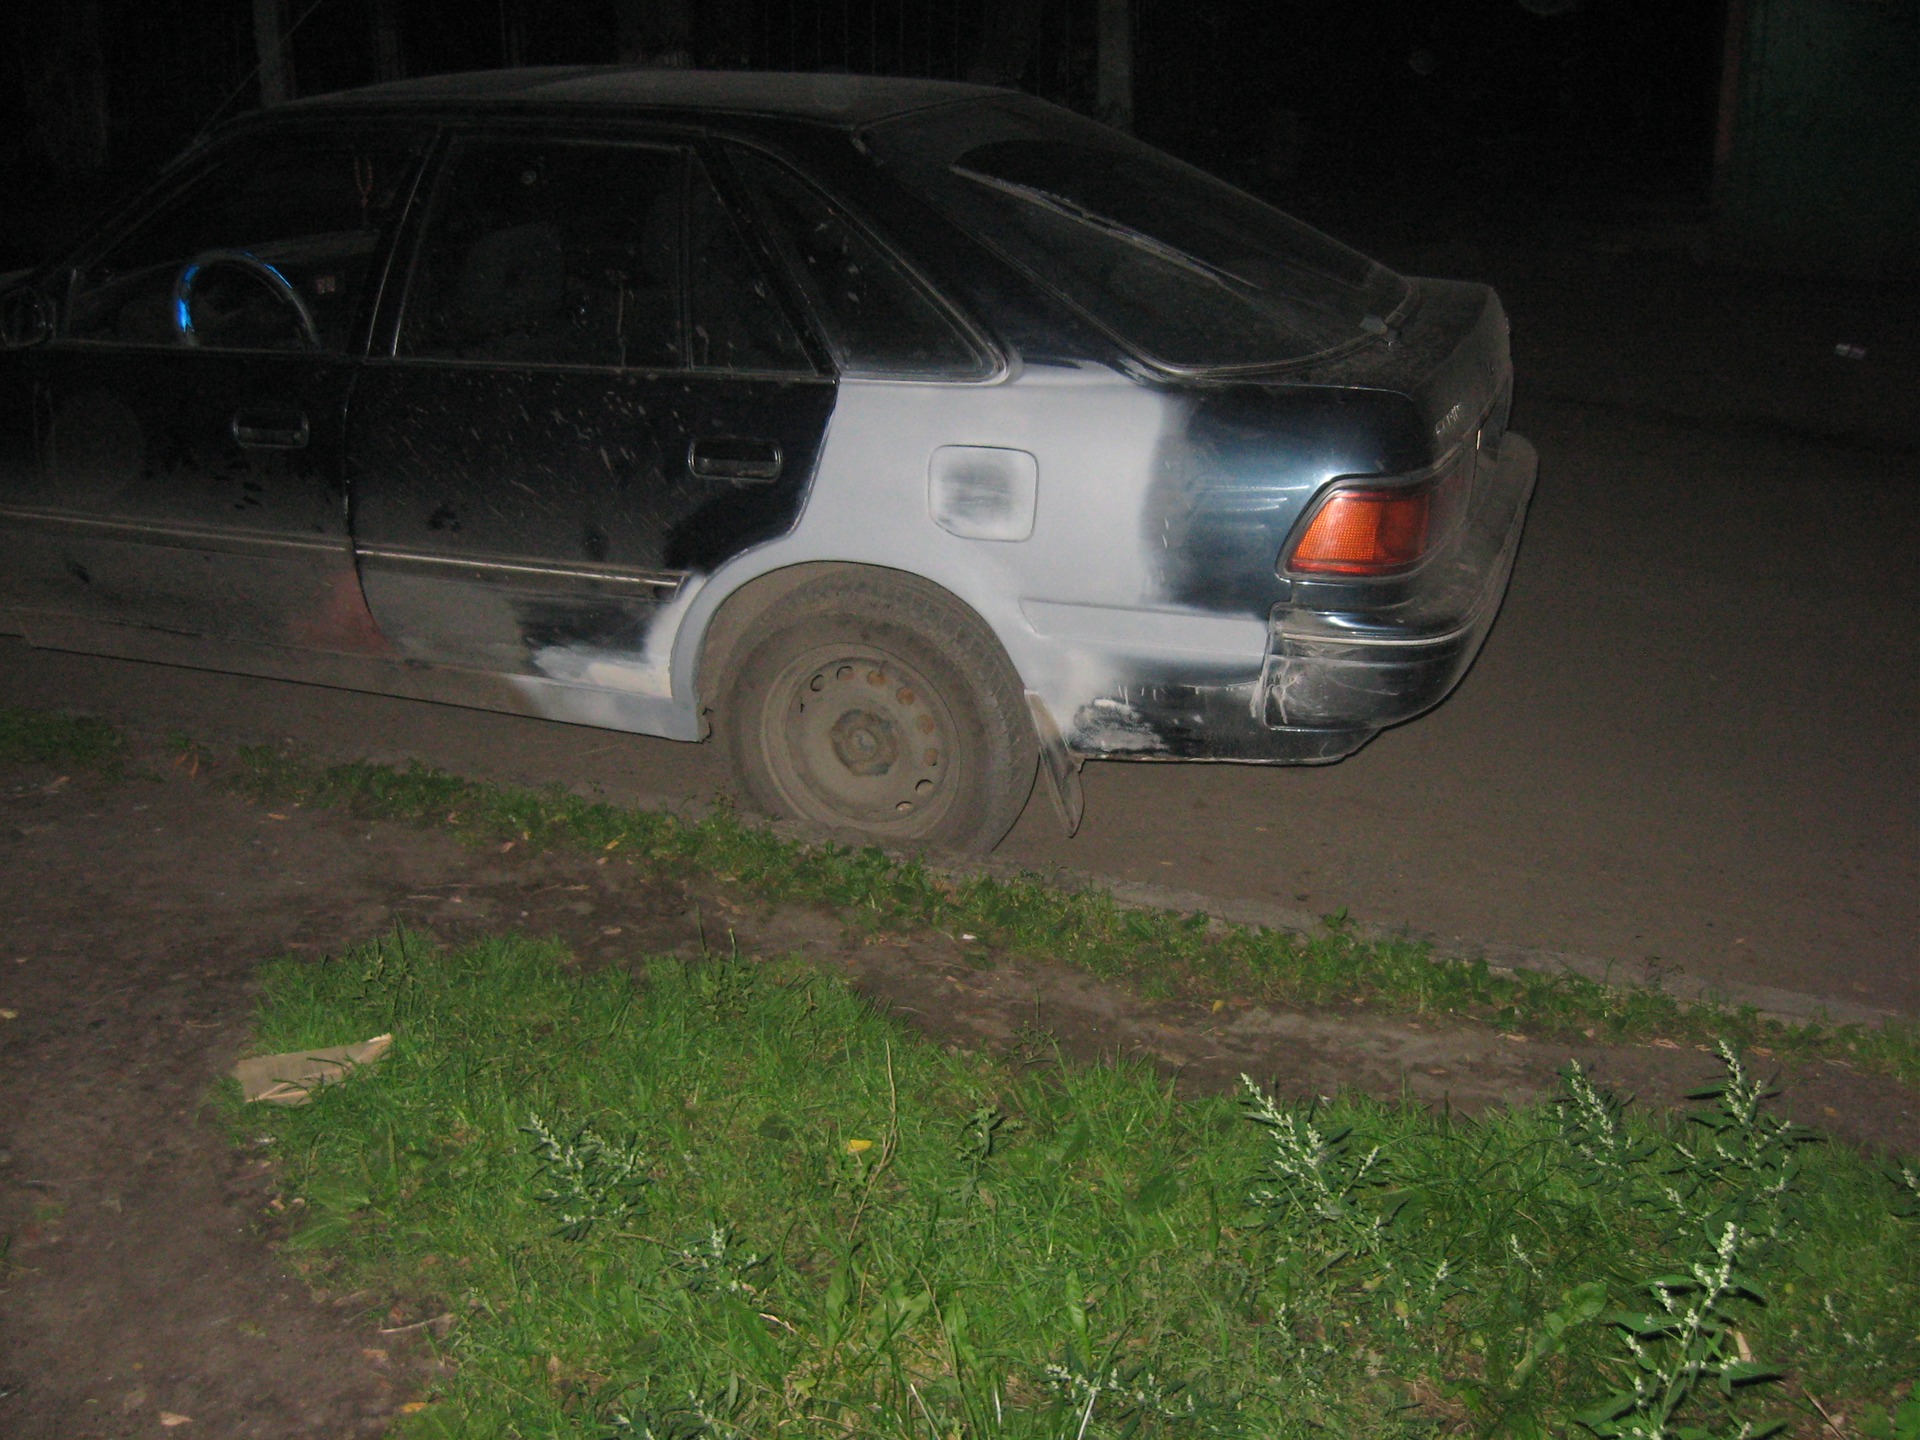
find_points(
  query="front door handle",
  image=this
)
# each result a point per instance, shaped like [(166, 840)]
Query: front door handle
[(728, 458), (269, 430)]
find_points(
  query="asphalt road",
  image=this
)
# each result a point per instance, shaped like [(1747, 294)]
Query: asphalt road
[(1690, 740)]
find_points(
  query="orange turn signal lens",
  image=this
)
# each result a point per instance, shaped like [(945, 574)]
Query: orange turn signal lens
[(1366, 532)]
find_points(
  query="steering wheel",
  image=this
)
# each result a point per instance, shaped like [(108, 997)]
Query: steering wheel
[(276, 284)]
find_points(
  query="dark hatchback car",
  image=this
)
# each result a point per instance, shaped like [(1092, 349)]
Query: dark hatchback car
[(906, 434)]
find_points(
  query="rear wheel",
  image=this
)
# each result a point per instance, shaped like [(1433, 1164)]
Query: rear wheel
[(885, 707)]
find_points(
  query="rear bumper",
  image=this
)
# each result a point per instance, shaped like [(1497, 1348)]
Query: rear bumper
[(1331, 671), (1334, 677)]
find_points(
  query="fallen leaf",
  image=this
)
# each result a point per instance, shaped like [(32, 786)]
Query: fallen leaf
[(413, 1407), (275, 815), (169, 1419), (1666, 1044), (1517, 1039), (858, 1147), (9, 1014), (508, 846)]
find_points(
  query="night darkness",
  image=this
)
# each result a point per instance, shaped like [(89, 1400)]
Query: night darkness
[(1378, 116)]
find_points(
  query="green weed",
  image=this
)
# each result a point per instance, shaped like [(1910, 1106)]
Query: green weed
[(815, 1224), (35, 737), (588, 1180)]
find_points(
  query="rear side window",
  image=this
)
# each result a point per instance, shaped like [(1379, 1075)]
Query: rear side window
[(879, 319), (1179, 267), (735, 322)]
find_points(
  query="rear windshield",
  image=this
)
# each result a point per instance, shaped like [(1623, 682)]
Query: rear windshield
[(1180, 268)]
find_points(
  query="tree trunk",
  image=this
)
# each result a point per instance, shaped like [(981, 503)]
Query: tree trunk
[(269, 42), (389, 58), (1114, 96), (513, 37), (93, 120)]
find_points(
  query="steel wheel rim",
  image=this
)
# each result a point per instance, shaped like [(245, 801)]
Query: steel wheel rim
[(860, 738)]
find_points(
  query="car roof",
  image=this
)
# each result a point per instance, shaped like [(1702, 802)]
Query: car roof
[(844, 100)]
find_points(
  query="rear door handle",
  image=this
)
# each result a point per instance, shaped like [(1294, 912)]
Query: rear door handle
[(269, 430), (727, 458)]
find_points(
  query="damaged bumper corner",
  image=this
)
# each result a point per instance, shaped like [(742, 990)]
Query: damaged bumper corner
[(1324, 674), (1364, 672)]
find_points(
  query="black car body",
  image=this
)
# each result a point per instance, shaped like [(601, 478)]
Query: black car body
[(901, 430)]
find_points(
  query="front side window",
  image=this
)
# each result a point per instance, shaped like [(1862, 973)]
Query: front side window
[(270, 245)]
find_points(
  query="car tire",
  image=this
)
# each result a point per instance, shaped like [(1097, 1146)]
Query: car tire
[(884, 707)]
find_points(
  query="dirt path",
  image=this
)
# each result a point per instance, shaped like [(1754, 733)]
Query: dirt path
[(138, 1278)]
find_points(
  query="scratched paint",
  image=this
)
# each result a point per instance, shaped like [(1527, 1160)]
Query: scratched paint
[(544, 527)]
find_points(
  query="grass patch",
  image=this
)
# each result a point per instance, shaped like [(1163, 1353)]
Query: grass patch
[(729, 1200), (1160, 953), (35, 737)]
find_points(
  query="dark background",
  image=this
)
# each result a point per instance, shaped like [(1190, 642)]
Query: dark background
[(1368, 116)]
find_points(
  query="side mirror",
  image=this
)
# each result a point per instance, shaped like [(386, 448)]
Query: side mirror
[(26, 318)]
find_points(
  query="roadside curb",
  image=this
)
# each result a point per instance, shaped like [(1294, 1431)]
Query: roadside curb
[(1503, 958)]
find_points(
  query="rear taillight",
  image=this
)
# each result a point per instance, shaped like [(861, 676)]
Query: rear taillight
[(1373, 529), (1366, 532)]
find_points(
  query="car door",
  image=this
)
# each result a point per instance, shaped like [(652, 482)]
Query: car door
[(594, 391), (191, 406)]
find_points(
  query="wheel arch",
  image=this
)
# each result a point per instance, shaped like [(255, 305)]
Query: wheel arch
[(728, 635)]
